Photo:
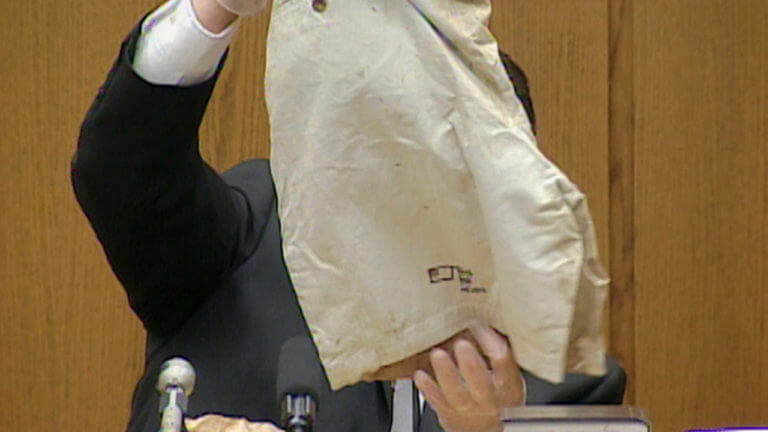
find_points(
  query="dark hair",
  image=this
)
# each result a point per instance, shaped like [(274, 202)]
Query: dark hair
[(520, 81)]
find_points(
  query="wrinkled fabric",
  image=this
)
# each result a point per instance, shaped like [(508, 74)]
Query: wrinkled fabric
[(412, 195), (218, 423)]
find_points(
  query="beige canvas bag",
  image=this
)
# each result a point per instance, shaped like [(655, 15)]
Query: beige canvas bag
[(412, 195)]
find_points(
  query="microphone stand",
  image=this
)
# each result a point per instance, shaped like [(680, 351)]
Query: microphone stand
[(173, 405), (298, 413), (175, 383)]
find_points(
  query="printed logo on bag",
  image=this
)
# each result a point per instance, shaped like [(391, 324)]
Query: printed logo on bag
[(448, 273)]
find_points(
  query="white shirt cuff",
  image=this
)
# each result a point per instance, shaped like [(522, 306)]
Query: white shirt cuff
[(175, 49)]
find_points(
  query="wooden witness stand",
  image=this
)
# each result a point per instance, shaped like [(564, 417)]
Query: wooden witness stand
[(576, 419)]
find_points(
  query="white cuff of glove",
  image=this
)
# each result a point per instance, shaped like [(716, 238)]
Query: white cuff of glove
[(243, 7)]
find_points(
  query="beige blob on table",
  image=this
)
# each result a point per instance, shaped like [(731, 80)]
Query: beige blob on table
[(217, 423)]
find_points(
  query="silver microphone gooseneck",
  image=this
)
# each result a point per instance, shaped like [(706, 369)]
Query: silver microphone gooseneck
[(175, 383)]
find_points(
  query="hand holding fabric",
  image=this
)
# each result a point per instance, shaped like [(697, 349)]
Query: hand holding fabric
[(466, 394)]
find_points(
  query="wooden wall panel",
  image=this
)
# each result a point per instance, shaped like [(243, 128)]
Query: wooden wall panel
[(701, 212), (70, 349), (622, 166)]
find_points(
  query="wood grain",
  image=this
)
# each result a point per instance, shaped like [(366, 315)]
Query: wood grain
[(622, 168), (70, 349), (701, 212)]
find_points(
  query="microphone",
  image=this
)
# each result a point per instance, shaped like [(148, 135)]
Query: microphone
[(175, 383), (299, 380)]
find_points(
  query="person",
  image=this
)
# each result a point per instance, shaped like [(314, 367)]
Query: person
[(199, 254)]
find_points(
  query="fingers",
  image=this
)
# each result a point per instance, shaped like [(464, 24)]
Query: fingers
[(479, 381), (431, 391), (463, 387), (463, 392), (466, 393), (506, 373), (450, 381), (492, 343)]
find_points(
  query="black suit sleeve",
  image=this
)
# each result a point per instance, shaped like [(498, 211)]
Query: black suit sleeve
[(170, 226), (578, 389)]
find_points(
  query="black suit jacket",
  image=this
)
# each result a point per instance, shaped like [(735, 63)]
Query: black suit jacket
[(199, 256)]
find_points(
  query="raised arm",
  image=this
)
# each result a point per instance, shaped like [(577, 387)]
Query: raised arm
[(168, 223)]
